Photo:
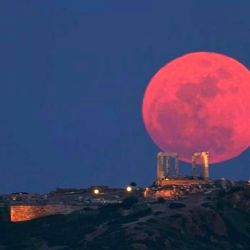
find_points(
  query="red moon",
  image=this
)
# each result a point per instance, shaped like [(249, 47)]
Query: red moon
[(199, 102)]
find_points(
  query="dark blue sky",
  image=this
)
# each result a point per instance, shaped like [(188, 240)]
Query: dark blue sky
[(73, 75)]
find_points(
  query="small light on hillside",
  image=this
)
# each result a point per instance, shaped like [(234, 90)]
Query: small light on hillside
[(96, 191)]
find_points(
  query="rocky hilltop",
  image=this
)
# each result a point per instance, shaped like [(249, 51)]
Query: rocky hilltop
[(216, 220)]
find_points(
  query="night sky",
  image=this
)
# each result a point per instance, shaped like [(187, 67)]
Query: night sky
[(73, 75)]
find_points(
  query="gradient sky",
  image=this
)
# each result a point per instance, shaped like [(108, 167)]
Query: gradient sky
[(73, 75)]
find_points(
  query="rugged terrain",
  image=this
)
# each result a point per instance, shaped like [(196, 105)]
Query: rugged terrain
[(218, 220)]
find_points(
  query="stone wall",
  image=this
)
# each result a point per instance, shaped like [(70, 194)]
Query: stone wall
[(29, 212)]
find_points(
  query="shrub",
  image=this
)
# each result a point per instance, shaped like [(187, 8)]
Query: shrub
[(129, 202), (161, 200)]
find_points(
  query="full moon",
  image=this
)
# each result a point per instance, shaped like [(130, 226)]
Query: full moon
[(199, 102)]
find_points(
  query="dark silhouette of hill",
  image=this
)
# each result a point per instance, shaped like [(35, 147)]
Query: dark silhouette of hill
[(219, 220)]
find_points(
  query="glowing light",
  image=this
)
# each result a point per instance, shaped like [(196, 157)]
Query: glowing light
[(96, 191), (129, 189)]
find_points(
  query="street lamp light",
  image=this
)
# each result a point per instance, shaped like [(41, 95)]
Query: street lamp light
[(96, 191)]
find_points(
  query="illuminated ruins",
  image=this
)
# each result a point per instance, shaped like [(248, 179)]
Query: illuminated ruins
[(173, 186)]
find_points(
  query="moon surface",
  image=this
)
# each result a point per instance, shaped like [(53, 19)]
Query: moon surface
[(199, 102)]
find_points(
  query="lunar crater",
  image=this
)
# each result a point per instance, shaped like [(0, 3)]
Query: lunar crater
[(223, 73)]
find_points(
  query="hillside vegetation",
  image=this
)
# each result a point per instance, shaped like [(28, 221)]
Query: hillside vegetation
[(220, 220)]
